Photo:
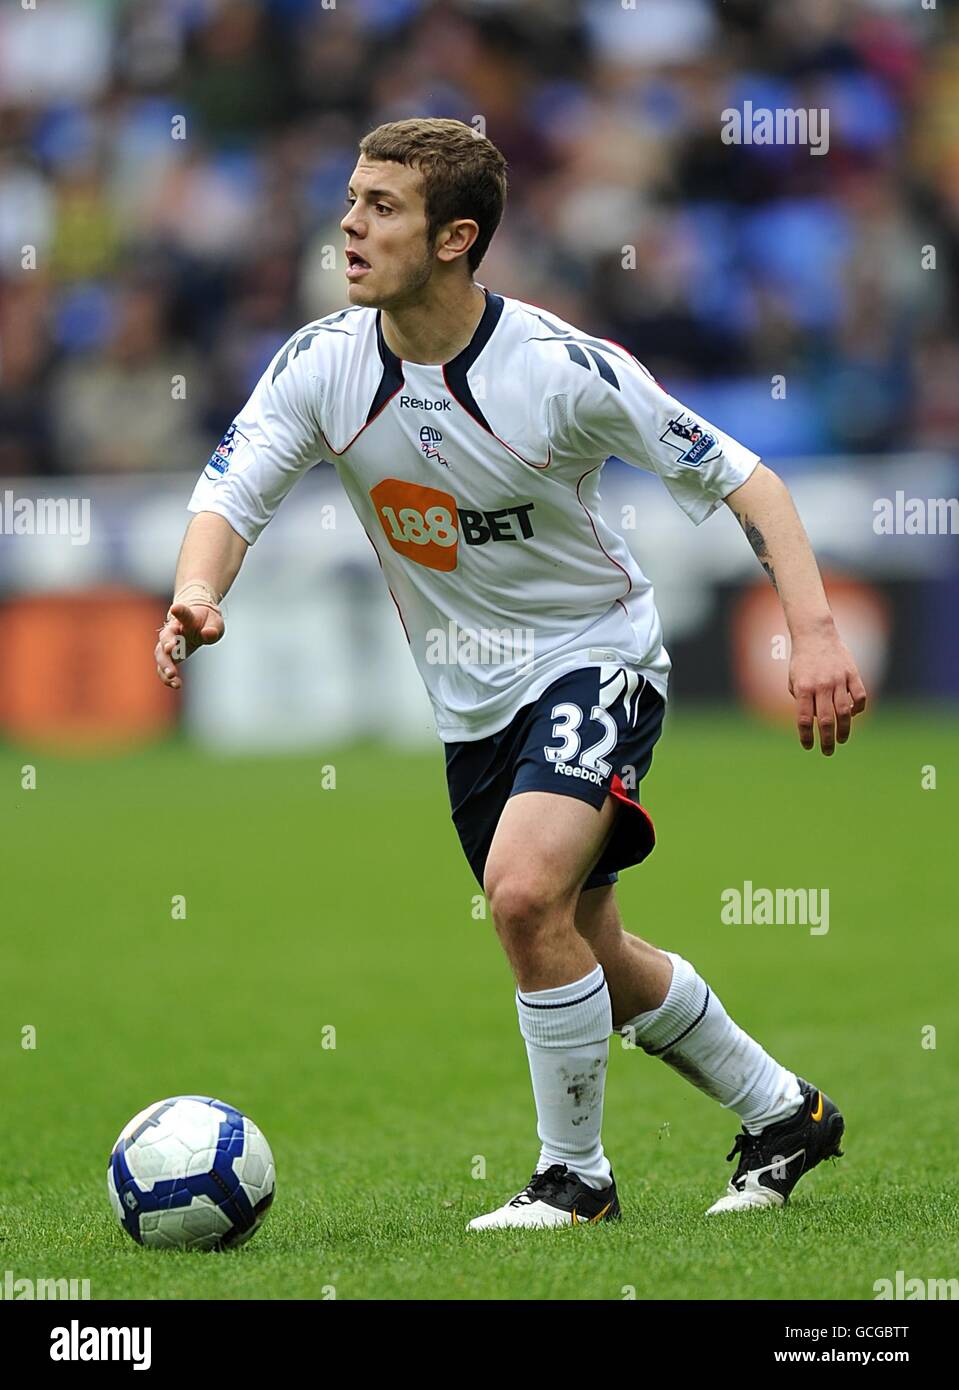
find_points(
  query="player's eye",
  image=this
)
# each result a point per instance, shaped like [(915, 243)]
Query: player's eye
[(383, 207), (349, 200)]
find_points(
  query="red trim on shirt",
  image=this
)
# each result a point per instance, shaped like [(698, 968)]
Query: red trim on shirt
[(340, 452), (598, 541), (389, 590)]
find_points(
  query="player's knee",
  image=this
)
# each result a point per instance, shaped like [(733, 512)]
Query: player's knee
[(521, 900)]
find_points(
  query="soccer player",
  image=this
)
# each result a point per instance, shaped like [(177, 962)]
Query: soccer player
[(469, 432)]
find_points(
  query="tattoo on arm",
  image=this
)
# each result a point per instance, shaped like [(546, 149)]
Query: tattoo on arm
[(757, 540)]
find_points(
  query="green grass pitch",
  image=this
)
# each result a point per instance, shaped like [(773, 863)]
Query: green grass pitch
[(352, 908)]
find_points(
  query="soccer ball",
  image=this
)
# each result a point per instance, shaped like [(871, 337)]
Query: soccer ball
[(191, 1173)]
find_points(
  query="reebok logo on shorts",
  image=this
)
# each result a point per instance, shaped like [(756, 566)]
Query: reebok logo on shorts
[(568, 770)]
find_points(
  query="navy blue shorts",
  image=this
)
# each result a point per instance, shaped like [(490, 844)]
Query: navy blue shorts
[(589, 735)]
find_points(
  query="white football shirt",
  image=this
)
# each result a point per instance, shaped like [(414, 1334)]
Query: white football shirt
[(478, 484)]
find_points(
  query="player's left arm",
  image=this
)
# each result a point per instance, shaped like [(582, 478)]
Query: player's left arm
[(823, 678)]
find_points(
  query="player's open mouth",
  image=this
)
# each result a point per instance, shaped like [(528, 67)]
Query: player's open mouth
[(355, 265)]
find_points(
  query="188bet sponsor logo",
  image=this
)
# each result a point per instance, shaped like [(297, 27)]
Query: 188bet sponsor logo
[(426, 525)]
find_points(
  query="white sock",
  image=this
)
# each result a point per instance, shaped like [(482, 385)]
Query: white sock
[(693, 1033), (567, 1041)]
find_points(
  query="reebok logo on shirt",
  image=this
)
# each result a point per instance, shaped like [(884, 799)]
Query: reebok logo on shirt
[(414, 403), (425, 524)]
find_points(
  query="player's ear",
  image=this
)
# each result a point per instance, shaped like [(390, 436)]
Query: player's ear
[(456, 238)]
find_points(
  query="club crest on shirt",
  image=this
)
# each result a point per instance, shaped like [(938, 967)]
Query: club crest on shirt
[(224, 451), (689, 439), (429, 438)]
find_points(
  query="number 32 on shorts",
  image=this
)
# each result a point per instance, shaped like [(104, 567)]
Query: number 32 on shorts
[(568, 718)]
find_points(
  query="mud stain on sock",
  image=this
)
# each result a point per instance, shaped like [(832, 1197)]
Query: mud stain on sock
[(586, 1089)]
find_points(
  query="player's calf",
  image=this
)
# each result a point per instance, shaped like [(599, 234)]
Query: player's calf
[(637, 973)]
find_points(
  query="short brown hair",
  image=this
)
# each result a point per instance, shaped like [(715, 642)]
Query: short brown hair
[(463, 172)]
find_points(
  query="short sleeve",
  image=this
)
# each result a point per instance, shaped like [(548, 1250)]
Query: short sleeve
[(615, 406), (275, 439)]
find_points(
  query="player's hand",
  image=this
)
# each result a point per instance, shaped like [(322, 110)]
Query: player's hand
[(828, 690), (187, 626)]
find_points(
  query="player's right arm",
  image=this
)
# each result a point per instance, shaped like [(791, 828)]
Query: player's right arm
[(274, 440), (210, 560)]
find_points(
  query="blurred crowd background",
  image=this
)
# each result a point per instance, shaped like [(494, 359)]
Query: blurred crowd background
[(157, 256)]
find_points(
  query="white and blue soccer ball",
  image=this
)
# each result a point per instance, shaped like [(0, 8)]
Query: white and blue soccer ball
[(191, 1173)]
